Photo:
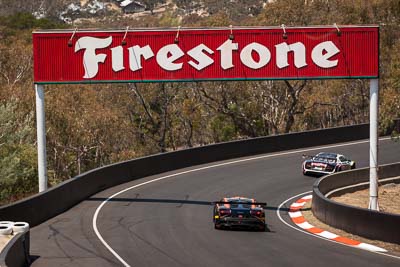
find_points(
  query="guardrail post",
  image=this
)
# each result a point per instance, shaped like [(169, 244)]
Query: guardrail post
[(41, 137), (373, 147)]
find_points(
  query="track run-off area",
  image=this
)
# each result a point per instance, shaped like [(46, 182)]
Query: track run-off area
[(166, 219)]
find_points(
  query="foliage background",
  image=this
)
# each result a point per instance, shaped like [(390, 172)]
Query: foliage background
[(93, 125)]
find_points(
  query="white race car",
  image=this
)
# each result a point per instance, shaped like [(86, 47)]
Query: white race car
[(326, 163)]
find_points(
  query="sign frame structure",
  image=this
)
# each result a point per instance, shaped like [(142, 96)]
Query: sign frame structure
[(207, 54), (196, 54)]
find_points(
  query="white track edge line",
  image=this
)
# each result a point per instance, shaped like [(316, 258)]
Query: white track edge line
[(320, 237), (94, 222)]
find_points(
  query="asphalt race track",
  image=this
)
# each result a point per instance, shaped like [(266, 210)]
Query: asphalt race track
[(169, 222)]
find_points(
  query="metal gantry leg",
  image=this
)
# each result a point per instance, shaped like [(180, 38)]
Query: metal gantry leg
[(41, 137), (373, 148)]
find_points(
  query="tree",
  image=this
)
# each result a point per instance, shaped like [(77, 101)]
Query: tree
[(236, 10), (15, 62), (85, 129), (17, 154), (188, 6), (153, 120)]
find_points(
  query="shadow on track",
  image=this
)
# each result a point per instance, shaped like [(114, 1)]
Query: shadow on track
[(245, 229), (167, 201)]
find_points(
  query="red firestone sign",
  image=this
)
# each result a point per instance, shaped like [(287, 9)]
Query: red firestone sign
[(154, 55)]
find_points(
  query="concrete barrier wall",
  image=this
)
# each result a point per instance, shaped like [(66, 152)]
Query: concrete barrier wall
[(58, 199), (363, 222), (16, 252)]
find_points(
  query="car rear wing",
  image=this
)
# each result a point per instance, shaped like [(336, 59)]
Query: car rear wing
[(262, 204)]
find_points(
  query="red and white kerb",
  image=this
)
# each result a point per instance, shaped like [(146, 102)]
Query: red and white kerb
[(298, 219)]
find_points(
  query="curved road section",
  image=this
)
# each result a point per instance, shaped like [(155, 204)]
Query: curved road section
[(166, 220)]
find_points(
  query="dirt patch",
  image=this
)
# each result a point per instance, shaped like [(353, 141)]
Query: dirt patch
[(389, 201), (388, 198)]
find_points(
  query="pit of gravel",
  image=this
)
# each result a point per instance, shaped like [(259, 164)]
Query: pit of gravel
[(388, 199)]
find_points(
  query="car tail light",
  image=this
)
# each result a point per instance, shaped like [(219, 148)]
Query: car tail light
[(223, 212), (257, 213), (329, 168)]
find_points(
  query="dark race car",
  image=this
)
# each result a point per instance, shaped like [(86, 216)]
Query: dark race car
[(326, 163), (239, 212)]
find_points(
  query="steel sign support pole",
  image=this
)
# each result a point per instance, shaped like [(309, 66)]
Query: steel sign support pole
[(41, 137), (373, 147)]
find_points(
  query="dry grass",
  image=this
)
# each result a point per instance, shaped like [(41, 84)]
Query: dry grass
[(389, 201), (389, 198)]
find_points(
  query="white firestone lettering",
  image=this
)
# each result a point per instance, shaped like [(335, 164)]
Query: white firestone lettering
[(282, 51), (202, 58), (135, 53), (167, 55), (90, 59), (117, 55), (226, 53), (323, 52), (248, 60)]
